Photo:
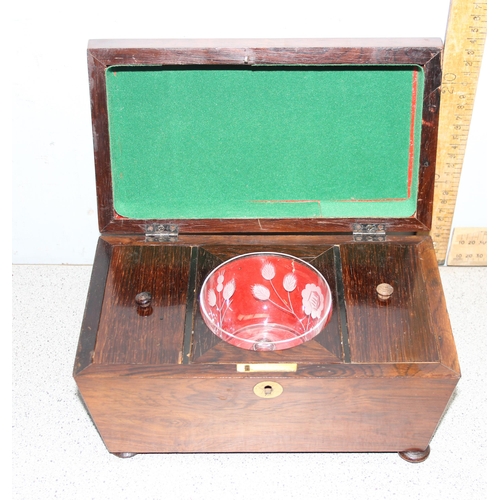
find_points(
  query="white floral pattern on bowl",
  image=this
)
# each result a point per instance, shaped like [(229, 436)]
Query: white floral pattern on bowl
[(312, 298), (265, 301)]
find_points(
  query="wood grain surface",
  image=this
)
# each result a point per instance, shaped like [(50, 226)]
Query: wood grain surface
[(224, 415), (125, 334), (395, 330)]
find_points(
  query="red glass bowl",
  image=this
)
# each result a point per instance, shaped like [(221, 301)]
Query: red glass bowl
[(265, 301)]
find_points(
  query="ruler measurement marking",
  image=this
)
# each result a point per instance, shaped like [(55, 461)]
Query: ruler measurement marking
[(468, 247), (463, 51)]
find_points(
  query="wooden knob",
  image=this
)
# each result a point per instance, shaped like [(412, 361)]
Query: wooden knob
[(143, 300), (384, 291)]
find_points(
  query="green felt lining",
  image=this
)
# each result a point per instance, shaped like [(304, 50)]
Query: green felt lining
[(232, 142)]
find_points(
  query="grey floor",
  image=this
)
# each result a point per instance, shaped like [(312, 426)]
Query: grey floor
[(57, 452)]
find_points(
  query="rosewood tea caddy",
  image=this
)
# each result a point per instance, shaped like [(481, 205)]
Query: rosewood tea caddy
[(320, 149)]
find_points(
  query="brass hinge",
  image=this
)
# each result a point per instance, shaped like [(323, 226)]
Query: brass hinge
[(368, 232), (161, 232)]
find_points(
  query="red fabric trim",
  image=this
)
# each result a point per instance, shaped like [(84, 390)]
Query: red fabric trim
[(411, 152)]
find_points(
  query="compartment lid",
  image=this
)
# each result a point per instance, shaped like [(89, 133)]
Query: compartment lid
[(251, 136)]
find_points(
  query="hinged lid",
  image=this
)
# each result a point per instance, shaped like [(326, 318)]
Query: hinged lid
[(252, 136)]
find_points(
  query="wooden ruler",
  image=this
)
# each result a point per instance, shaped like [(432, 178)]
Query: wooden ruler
[(463, 53), (469, 247)]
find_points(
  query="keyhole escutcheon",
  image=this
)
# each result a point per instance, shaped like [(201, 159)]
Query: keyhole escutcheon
[(268, 389)]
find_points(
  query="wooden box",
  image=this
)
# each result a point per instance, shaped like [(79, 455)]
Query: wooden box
[(322, 149)]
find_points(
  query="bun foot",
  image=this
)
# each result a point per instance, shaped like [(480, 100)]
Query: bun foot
[(124, 455), (415, 456)]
